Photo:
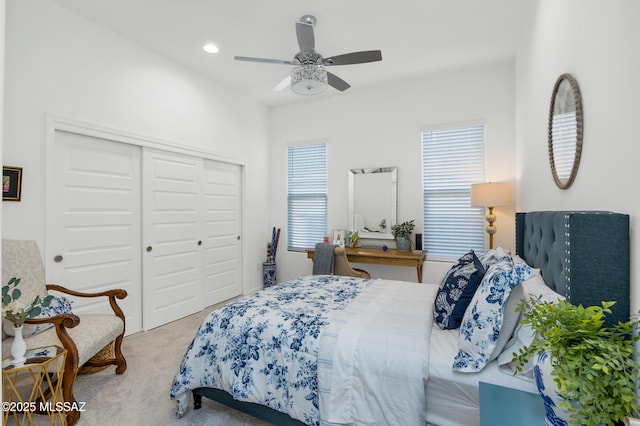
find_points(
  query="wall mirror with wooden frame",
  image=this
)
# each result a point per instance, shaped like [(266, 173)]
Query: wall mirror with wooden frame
[(565, 131)]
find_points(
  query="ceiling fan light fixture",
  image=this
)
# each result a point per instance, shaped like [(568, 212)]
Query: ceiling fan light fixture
[(309, 79)]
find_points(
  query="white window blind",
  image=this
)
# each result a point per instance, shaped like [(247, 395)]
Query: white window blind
[(452, 160), (306, 195)]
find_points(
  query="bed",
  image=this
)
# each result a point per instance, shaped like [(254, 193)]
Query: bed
[(341, 350)]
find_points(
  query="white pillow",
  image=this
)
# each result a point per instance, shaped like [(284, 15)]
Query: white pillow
[(509, 322), (523, 335), (493, 256), (535, 286), (518, 259)]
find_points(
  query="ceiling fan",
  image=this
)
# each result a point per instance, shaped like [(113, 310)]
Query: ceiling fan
[(310, 77)]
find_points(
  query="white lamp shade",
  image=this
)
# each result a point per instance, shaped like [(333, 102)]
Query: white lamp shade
[(491, 194), (309, 79)]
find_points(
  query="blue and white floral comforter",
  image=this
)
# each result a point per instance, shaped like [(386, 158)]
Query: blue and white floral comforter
[(266, 349)]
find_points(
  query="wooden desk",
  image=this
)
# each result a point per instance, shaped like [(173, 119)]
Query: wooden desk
[(379, 257)]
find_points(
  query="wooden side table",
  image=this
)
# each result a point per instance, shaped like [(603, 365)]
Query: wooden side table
[(35, 387)]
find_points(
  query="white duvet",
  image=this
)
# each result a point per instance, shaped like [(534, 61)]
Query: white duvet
[(373, 361)]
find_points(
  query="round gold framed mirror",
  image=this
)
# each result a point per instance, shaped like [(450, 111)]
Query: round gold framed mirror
[(565, 131)]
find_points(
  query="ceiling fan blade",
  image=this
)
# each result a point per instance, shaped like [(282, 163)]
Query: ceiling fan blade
[(283, 84), (263, 60), (354, 58), (336, 82), (306, 39)]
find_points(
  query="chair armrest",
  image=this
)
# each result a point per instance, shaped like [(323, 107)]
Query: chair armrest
[(66, 320), (62, 322), (119, 293), (111, 294)]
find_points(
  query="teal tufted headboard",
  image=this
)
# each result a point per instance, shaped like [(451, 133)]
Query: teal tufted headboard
[(583, 255)]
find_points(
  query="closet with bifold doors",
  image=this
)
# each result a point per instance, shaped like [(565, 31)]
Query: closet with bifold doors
[(130, 213)]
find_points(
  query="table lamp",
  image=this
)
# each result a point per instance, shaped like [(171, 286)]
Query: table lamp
[(490, 195)]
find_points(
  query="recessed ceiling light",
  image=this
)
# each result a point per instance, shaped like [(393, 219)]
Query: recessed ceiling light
[(210, 48)]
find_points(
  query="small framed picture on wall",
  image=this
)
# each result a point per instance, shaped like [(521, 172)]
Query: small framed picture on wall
[(11, 183)]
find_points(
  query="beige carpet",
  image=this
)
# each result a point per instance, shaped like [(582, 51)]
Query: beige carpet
[(141, 395)]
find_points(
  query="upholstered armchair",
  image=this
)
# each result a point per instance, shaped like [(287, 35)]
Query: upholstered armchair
[(341, 265), (332, 259), (91, 340)]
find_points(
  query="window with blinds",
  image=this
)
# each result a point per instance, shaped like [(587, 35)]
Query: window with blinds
[(306, 195), (452, 160)]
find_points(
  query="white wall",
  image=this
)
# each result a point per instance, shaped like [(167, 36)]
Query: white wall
[(2, 38), (57, 62), (598, 43), (381, 127), (60, 63)]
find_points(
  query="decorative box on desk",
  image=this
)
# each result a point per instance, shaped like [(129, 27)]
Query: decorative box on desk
[(502, 406), (35, 387)]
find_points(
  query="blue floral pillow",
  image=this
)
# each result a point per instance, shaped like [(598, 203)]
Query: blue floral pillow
[(58, 306), (457, 290), (483, 319)]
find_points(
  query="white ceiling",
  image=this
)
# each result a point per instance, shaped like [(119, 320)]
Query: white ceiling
[(415, 36)]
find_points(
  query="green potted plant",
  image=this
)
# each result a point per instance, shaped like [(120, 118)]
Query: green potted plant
[(17, 312), (14, 310), (592, 365), (402, 234)]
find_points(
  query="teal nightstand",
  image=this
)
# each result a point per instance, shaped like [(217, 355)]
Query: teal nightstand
[(501, 406)]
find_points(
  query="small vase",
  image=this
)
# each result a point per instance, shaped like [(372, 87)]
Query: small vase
[(403, 243), (269, 274), (18, 348), (555, 414)]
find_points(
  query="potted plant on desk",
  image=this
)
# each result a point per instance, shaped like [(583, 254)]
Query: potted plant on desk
[(591, 366), (402, 234)]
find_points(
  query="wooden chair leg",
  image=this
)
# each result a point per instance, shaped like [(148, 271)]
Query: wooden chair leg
[(69, 377), (121, 362), (72, 417), (71, 373)]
